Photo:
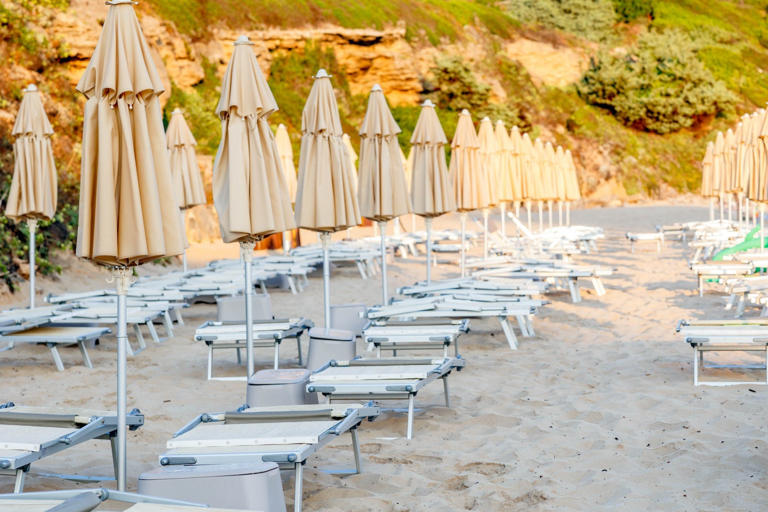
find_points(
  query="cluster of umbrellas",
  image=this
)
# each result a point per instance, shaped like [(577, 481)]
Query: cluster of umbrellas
[(131, 166), (734, 166)]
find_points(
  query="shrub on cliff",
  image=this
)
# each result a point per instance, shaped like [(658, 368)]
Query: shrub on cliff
[(591, 19), (660, 86), (628, 10)]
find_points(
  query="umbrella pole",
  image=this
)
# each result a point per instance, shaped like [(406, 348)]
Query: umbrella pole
[(184, 234), (730, 207), (721, 207), (246, 251), (32, 225), (503, 208), (568, 214), (286, 242), (549, 210), (122, 278), (485, 233), (528, 208), (413, 223), (428, 225), (383, 233), (541, 216), (463, 218), (560, 212), (762, 226), (325, 239), (711, 208)]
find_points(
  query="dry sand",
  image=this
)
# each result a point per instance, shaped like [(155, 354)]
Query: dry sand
[(597, 412)]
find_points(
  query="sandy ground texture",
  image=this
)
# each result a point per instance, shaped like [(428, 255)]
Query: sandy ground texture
[(597, 412)]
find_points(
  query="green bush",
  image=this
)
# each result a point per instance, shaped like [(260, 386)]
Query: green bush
[(628, 10), (591, 19), (456, 87), (660, 87)]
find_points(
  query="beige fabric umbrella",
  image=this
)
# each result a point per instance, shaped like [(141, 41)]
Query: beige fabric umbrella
[(517, 179), (540, 172), (125, 217), (352, 156), (187, 181), (250, 190), (561, 176), (33, 193), (572, 191), (431, 188), (285, 151), (382, 190), (707, 177), (490, 161), (465, 169), (326, 200), (720, 170), (529, 170)]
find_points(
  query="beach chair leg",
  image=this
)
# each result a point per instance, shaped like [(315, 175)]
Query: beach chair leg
[(239, 356), (277, 355), (139, 337), (153, 331), (179, 318), (445, 350), (18, 485), (508, 332), (701, 285), (522, 326), (740, 308), (378, 351), (168, 324), (292, 285), (731, 301), (573, 286), (529, 322), (210, 361), (445, 391), (766, 364), (597, 284), (361, 270), (113, 447), (297, 486), (409, 428), (56, 356), (84, 352), (696, 355), (263, 286), (356, 449), (298, 347)]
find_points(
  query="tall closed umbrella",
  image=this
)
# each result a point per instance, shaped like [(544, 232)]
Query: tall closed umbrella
[(561, 170), (707, 177), (468, 189), (505, 172), (285, 150), (187, 180), (33, 193), (125, 218), (325, 200), (572, 191), (431, 188), (489, 168), (249, 187), (517, 179), (529, 163), (719, 169), (382, 190)]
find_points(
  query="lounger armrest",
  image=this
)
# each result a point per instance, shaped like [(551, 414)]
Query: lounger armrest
[(312, 388), (350, 421), (400, 387), (279, 457), (82, 434), (200, 418)]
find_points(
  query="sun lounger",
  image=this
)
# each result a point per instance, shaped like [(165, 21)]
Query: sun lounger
[(719, 270), (569, 274), (721, 336), (55, 336), (383, 379), (287, 435), (657, 237), (266, 334), (29, 434), (415, 336), (85, 500)]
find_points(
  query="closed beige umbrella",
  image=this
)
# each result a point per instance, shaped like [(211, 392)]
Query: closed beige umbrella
[(33, 193), (517, 181), (352, 155), (561, 174), (285, 150), (326, 200), (720, 170), (490, 172), (465, 169), (573, 192), (506, 172), (707, 177), (187, 181), (729, 156), (540, 171), (382, 190), (761, 145), (529, 162), (250, 191), (431, 188), (125, 217)]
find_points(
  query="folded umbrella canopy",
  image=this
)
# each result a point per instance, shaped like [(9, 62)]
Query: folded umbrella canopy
[(529, 173), (572, 190), (285, 151), (187, 180), (505, 170), (326, 200), (707, 177), (561, 175), (382, 190), (249, 187), (352, 155), (431, 189), (125, 218), (469, 190), (33, 193)]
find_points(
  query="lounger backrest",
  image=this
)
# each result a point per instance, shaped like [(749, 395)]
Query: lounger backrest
[(232, 309)]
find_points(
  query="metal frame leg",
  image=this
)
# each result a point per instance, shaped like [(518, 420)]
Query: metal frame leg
[(84, 352), (277, 355), (701, 285), (168, 323), (521, 323), (139, 338), (445, 390), (56, 356), (153, 332), (356, 450), (177, 314), (695, 367), (210, 361), (18, 485), (508, 332), (409, 428), (298, 347), (298, 486)]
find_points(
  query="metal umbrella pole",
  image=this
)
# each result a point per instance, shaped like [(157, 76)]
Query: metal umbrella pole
[(730, 207), (463, 218), (183, 214), (383, 234), (503, 208), (246, 252), (528, 208), (549, 211), (568, 213), (541, 215), (122, 278), (560, 213), (325, 239), (711, 208), (32, 225), (721, 207), (762, 227), (485, 233), (286, 242), (428, 225)]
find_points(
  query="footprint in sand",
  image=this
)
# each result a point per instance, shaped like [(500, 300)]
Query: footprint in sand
[(485, 468)]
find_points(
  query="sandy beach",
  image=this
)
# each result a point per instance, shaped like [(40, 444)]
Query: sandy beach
[(597, 412)]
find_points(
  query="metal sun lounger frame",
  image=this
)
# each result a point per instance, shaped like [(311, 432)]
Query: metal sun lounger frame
[(570, 276), (266, 334), (722, 336), (85, 425), (85, 500), (287, 456), (52, 337), (414, 336), (384, 389), (719, 270)]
